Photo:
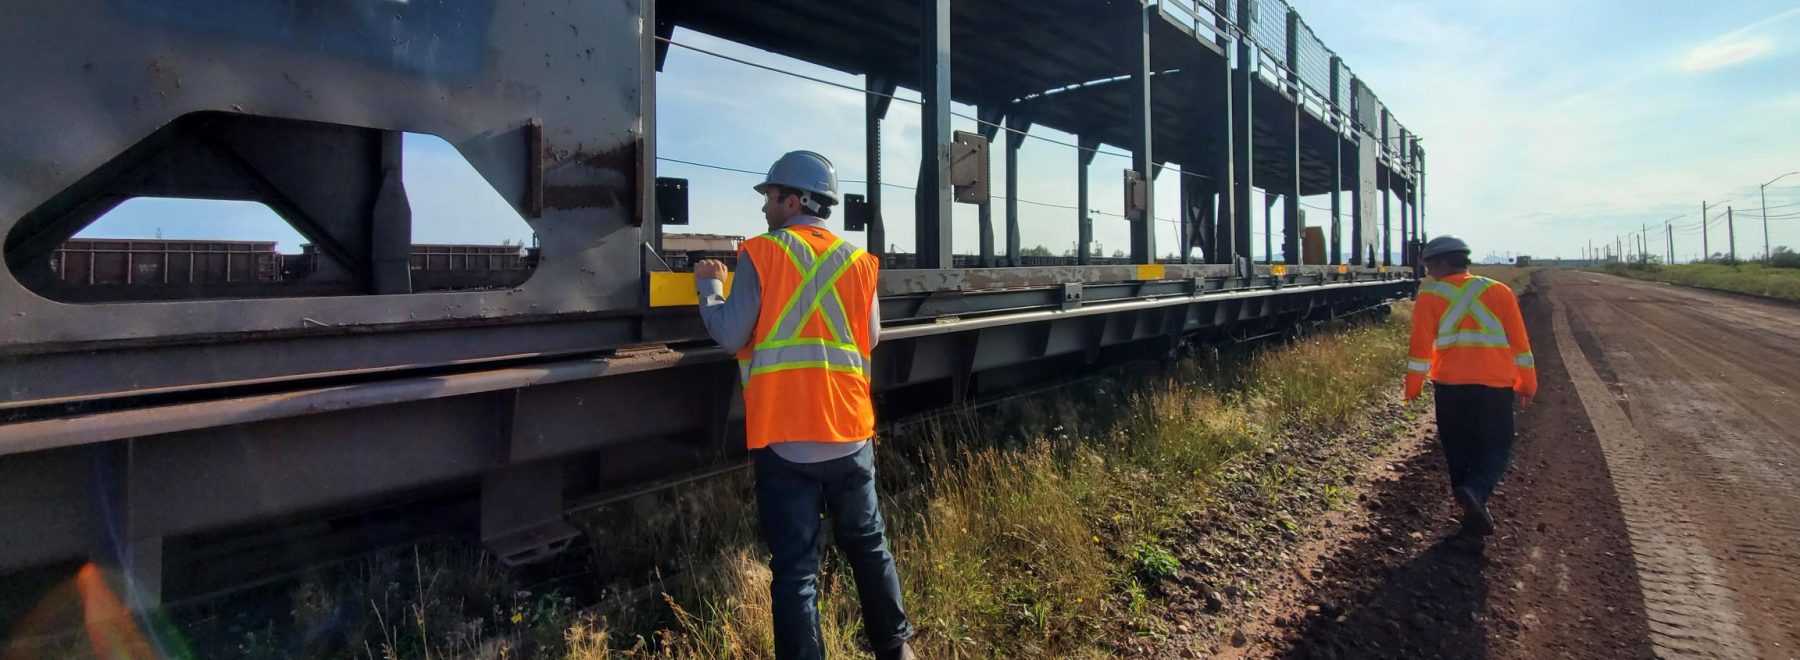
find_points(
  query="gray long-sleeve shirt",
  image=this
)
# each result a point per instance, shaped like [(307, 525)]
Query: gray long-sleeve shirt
[(732, 321)]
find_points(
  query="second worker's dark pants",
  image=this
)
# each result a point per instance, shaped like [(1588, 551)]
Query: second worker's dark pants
[(1475, 425), (791, 499)]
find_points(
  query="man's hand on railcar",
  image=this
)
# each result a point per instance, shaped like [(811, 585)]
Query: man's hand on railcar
[(710, 269)]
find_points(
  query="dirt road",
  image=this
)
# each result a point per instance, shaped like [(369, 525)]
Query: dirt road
[(1704, 446), (1653, 508)]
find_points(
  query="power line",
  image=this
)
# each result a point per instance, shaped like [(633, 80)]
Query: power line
[(1783, 206), (853, 88), (716, 167), (739, 170)]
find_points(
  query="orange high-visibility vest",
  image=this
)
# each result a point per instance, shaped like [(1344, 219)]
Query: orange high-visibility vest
[(1467, 331), (806, 368)]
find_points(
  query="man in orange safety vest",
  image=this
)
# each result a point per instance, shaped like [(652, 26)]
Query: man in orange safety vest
[(1469, 339), (803, 318)]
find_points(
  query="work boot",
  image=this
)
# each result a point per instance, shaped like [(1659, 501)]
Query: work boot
[(1476, 519), (904, 652)]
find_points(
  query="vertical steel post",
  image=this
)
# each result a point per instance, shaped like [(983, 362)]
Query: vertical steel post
[(1182, 220), (1143, 236), (1419, 220), (1420, 155), (933, 235), (1017, 126), (1089, 145), (1358, 238), (1403, 199), (875, 106), (1290, 209), (1223, 246), (1243, 161), (990, 117), (1337, 165), (1387, 193)]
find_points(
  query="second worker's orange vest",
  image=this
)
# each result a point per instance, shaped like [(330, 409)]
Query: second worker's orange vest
[(806, 368)]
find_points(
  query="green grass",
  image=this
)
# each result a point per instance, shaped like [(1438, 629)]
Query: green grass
[(1752, 279), (1517, 278), (1031, 529), (1030, 548)]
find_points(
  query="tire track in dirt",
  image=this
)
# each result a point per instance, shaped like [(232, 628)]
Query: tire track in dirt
[(1691, 609)]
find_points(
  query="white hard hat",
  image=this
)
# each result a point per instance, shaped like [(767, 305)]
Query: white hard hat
[(806, 171)]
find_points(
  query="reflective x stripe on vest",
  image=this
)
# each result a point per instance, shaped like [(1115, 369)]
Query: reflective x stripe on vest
[(784, 349), (1465, 302)]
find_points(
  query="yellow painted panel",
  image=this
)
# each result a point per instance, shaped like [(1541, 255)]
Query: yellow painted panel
[(1151, 271), (677, 289)]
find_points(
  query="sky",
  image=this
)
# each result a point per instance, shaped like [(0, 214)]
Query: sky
[(1547, 124)]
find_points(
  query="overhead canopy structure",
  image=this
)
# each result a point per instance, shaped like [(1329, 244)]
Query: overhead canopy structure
[(1073, 65)]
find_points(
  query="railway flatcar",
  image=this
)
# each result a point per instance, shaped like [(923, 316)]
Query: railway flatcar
[(174, 438)]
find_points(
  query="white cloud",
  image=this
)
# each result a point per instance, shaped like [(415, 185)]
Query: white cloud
[(1707, 57)]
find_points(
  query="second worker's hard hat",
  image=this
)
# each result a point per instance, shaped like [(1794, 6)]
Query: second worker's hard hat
[(1443, 245), (805, 171)]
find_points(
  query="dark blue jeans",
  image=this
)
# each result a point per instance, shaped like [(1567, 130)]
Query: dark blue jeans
[(791, 499), (1475, 425)]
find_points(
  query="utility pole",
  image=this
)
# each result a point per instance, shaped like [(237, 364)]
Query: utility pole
[(1763, 192), (1731, 232), (1643, 245), (1705, 247), (1669, 238)]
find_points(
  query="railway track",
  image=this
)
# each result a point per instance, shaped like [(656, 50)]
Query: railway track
[(179, 431), (226, 562)]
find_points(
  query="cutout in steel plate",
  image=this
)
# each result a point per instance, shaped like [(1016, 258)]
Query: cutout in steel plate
[(221, 205)]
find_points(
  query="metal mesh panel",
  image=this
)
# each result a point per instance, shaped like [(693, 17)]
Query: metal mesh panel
[(1343, 95), (1368, 110), (1314, 62), (1269, 28), (1387, 145)]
